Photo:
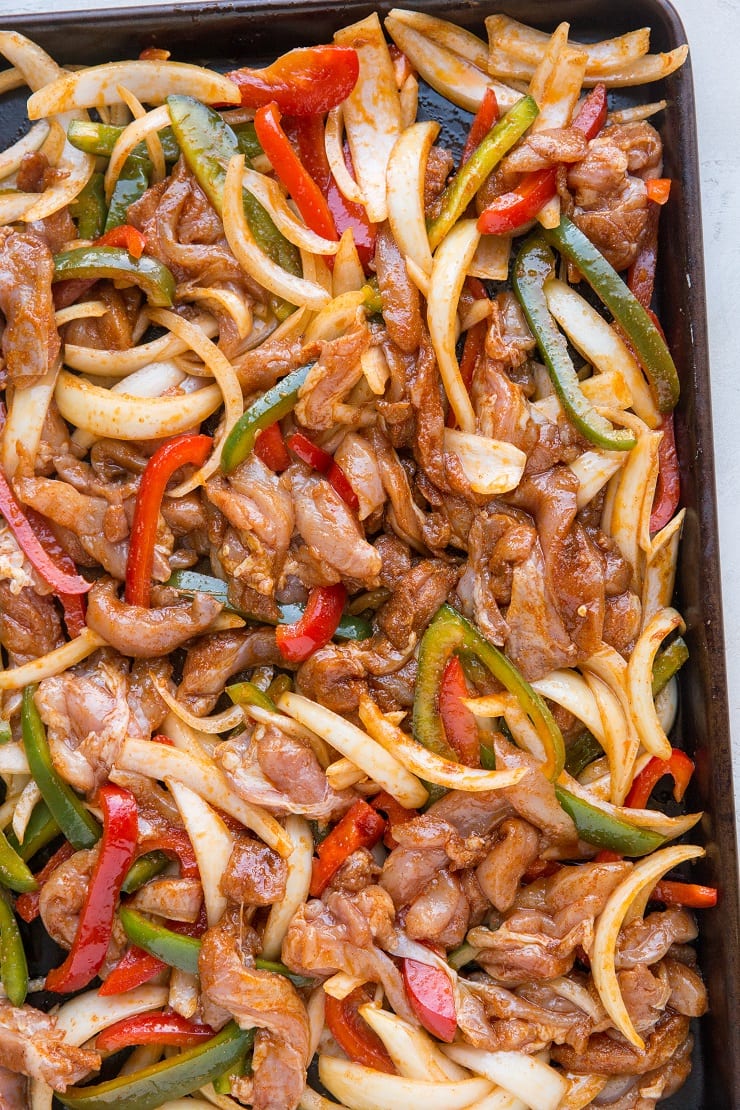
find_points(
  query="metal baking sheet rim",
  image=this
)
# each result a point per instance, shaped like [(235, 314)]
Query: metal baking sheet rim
[(261, 29)]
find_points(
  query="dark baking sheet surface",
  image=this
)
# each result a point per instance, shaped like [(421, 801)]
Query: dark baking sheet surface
[(221, 33)]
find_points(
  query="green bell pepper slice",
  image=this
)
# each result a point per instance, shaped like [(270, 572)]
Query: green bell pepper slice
[(534, 265), (604, 830), (100, 138), (132, 183), (13, 966), (78, 825), (271, 406), (14, 873), (90, 209), (116, 263), (170, 1079), (625, 308), (581, 752), (246, 693), (468, 180), (222, 1085), (143, 869), (175, 949)]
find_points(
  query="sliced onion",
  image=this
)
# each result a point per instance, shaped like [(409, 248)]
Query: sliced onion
[(408, 94), (334, 146), (341, 985), (630, 515), (413, 1052), (25, 423), (11, 79), (155, 380), (139, 130), (372, 112), (300, 863), (556, 82), (120, 416), (600, 344), (666, 705), (53, 663), (451, 263), (337, 317), (660, 571), (212, 843), (356, 745), (14, 206), (406, 172), (13, 760), (269, 194), (529, 44), (429, 766), (362, 1088), (619, 739), (636, 112), (500, 1100), (641, 71), (29, 799), (239, 309), (150, 81), (312, 1100), (88, 1014), (225, 376), (640, 676), (579, 995), (526, 1077), (643, 877), (12, 156), (418, 276), (593, 469), (343, 773), (492, 466), (609, 390), (491, 259), (188, 739), (84, 310), (479, 310), (377, 371), (119, 364), (251, 257), (652, 819), (220, 722), (158, 761), (454, 38), (348, 274), (152, 141), (583, 1090), (567, 689), (33, 66)]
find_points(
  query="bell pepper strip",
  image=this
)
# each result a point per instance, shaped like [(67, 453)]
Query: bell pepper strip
[(469, 178), (27, 905), (512, 210), (208, 144), (131, 184), (534, 265), (89, 208), (142, 870), (14, 872), (269, 447), (361, 827), (352, 1033), (151, 275), (322, 461), (176, 844), (134, 968), (484, 119), (458, 722), (581, 752), (155, 1027), (603, 830), (627, 311), (73, 604), (658, 189), (222, 1085), (276, 967), (126, 236), (166, 460), (305, 82), (308, 134), (668, 662), (120, 829), (679, 767), (77, 824), (668, 487), (685, 894), (432, 998), (472, 350), (271, 406), (170, 1079), (246, 693), (100, 138), (13, 965), (175, 949), (40, 831), (292, 173), (448, 633), (316, 626)]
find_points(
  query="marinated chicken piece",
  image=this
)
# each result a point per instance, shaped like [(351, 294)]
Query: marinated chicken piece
[(255, 875), (31, 1045), (359, 462), (646, 940), (330, 529), (438, 168), (400, 297), (501, 1020), (416, 599), (13, 1090), (30, 625), (212, 660), (645, 996), (63, 895), (330, 379), (613, 1055), (147, 633), (441, 913), (515, 849), (688, 993), (443, 468), (534, 796), (260, 369), (542, 149), (30, 341)]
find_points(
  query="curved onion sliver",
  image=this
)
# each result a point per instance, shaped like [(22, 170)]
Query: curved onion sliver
[(652, 819), (660, 571), (139, 129), (334, 146), (451, 263), (212, 843), (152, 141), (642, 878), (119, 364), (26, 415), (13, 760), (269, 194), (633, 500), (25, 806), (461, 42), (296, 887), (593, 469), (53, 663), (639, 681), (83, 310), (11, 158), (523, 1076), (150, 81), (252, 258), (568, 689), (120, 416), (348, 274), (362, 1088), (228, 300), (336, 317), (618, 738), (408, 95), (412, 1050), (406, 170), (11, 79), (212, 726), (492, 466)]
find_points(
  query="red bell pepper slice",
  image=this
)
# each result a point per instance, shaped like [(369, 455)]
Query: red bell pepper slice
[(685, 894), (459, 723), (155, 1027), (27, 905), (361, 827), (316, 626), (290, 170), (483, 121), (117, 848), (607, 856), (658, 189), (162, 465), (432, 998), (269, 447), (395, 813), (126, 236), (73, 604), (313, 455), (679, 767), (305, 82), (175, 843), (511, 210), (668, 486), (134, 968), (472, 350), (352, 1033), (308, 133)]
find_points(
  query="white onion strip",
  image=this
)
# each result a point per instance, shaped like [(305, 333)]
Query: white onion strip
[(27, 411), (84, 310), (593, 469), (152, 141), (567, 689), (356, 745), (300, 862), (618, 738), (119, 364), (225, 376), (526, 1077), (212, 843), (141, 129), (361, 1088), (451, 263), (639, 680), (220, 722), (492, 466), (12, 156), (251, 257), (652, 819), (413, 1052), (269, 194), (334, 146), (25, 806), (461, 42), (660, 570), (643, 877), (406, 171), (53, 663), (433, 768), (633, 502), (13, 760)]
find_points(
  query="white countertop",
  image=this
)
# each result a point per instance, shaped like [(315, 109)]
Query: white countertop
[(713, 31)]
